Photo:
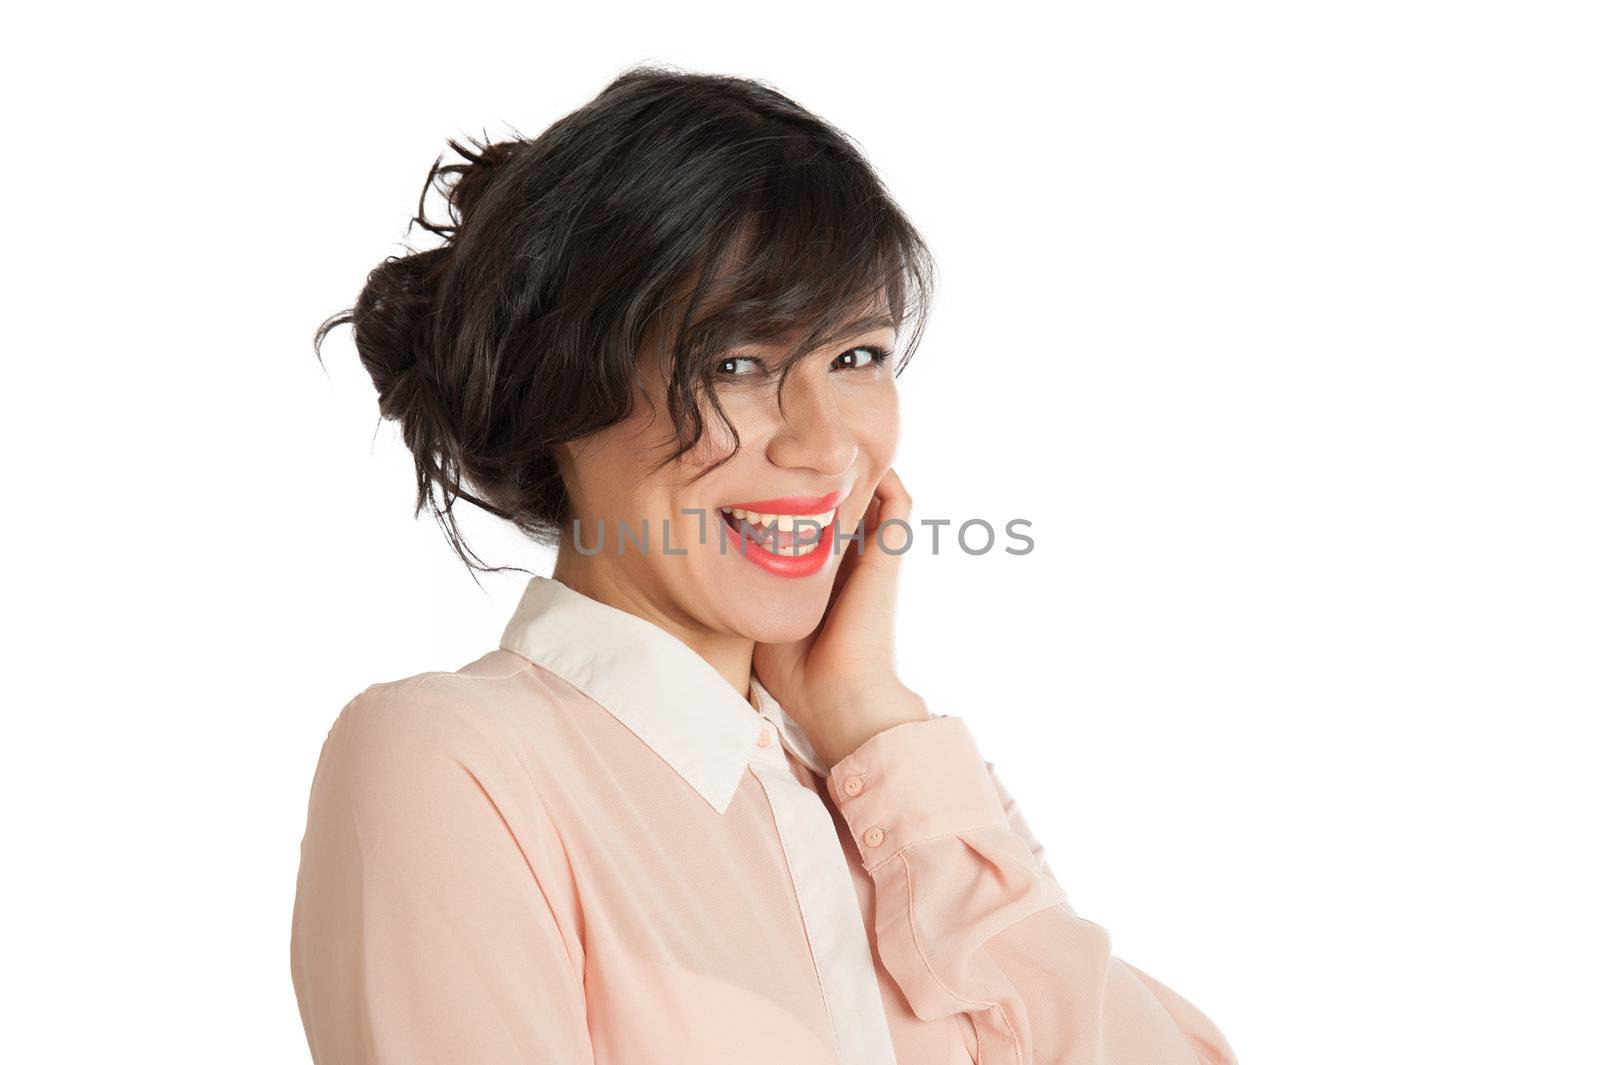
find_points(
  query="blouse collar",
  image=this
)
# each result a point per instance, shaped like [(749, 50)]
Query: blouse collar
[(654, 683)]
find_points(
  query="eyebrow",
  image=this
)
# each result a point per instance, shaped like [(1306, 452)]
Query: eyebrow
[(762, 348)]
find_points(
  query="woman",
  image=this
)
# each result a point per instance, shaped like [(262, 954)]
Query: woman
[(685, 811)]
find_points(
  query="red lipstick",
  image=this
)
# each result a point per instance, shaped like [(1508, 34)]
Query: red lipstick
[(782, 563), (790, 565), (792, 504)]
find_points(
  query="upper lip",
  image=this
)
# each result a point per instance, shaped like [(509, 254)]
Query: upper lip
[(791, 504)]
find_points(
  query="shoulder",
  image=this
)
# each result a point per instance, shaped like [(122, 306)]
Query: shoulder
[(419, 788), (440, 712), (437, 738)]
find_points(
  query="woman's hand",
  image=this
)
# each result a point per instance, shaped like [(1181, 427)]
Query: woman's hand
[(839, 683)]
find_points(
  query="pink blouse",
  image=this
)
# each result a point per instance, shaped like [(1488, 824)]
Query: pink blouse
[(586, 846)]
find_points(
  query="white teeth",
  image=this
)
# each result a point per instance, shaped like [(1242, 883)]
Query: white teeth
[(785, 522), (808, 525)]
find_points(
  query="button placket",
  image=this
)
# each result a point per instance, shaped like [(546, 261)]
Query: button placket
[(767, 747), (829, 906)]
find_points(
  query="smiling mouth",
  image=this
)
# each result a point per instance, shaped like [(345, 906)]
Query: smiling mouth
[(781, 534), (789, 527)]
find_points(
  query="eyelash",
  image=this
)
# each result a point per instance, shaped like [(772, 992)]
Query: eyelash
[(880, 358)]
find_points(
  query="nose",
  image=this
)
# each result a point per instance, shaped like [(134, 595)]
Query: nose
[(813, 433)]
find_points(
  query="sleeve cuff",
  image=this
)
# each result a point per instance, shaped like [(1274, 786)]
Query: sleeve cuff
[(915, 782)]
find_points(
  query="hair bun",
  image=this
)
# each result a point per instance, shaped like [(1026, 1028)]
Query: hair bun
[(388, 325), (390, 317)]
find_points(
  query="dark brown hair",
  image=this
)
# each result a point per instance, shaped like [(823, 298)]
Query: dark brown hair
[(693, 211)]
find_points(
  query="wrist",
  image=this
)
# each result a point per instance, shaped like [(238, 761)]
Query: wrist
[(851, 718)]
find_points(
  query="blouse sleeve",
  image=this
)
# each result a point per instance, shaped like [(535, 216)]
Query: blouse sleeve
[(426, 927), (970, 920)]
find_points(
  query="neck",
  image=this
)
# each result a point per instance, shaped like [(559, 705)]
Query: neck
[(590, 575)]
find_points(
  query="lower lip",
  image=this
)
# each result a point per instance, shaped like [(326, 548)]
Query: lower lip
[(788, 565)]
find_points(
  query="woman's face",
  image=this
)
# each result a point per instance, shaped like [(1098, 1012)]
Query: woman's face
[(739, 571)]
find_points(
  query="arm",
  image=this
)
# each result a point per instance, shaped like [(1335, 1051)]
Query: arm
[(969, 919), (426, 928)]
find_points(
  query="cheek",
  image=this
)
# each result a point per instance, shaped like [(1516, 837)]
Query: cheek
[(741, 415), (614, 471), (876, 423)]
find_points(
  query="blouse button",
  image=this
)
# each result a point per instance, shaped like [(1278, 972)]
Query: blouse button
[(874, 836), (852, 785), (765, 739)]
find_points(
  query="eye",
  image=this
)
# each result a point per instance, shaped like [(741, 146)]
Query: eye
[(740, 366), (862, 358)]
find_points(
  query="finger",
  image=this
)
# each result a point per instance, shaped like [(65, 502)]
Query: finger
[(865, 566)]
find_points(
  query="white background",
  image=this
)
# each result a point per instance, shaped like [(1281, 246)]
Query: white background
[(1278, 320)]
